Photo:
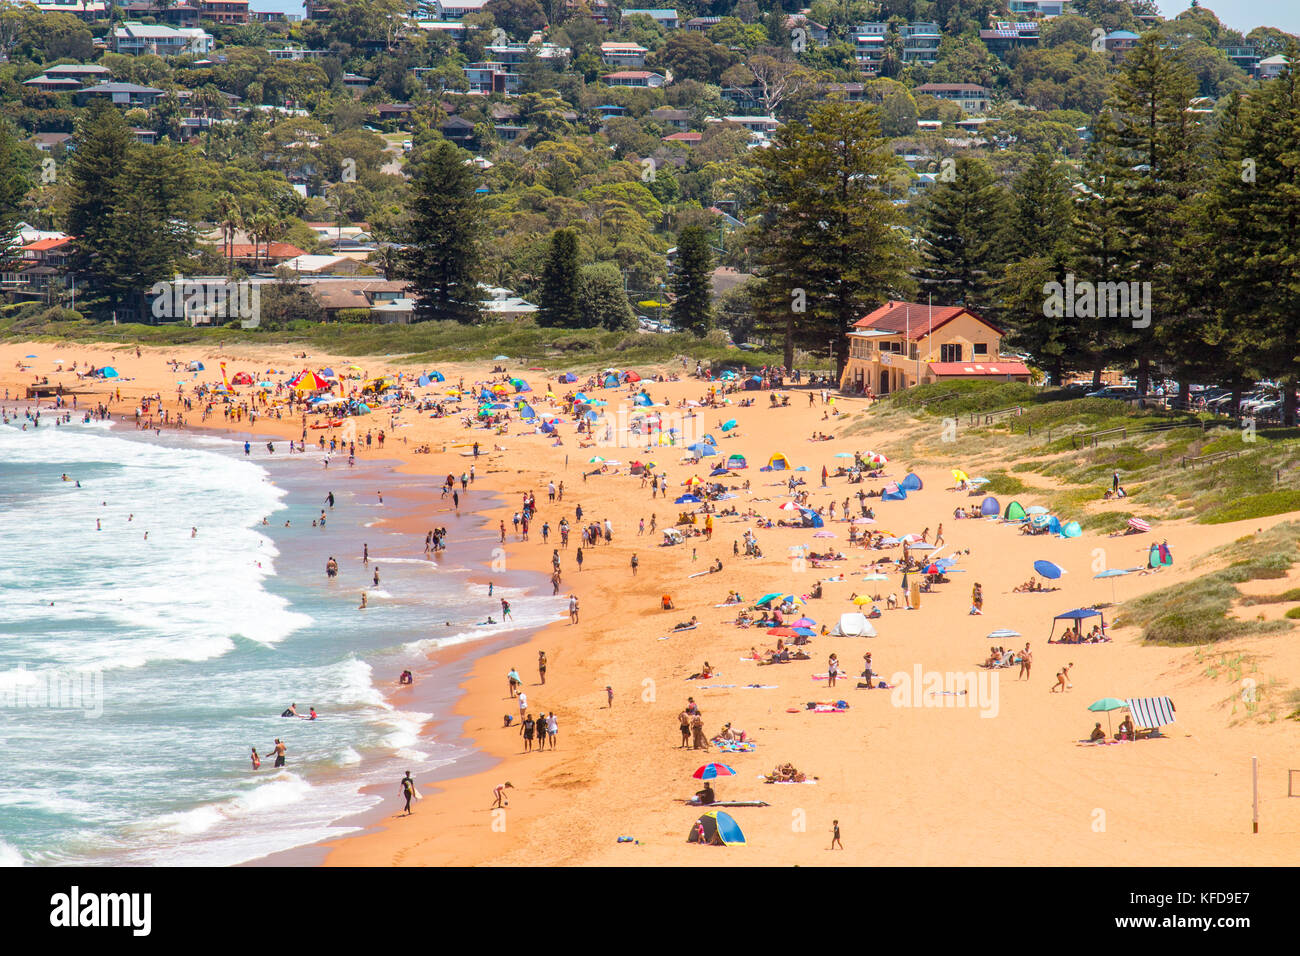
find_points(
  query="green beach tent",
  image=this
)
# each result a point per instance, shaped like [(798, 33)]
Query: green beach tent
[(1015, 512)]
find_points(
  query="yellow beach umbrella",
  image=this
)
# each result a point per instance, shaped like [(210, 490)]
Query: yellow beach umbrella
[(862, 599), (959, 475)]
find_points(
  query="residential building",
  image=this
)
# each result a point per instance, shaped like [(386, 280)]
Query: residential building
[(642, 79), (356, 82), (814, 33), (223, 11), (1273, 67), (850, 92), (701, 24), (457, 9), (48, 142), (454, 29), (665, 18), (920, 42), (179, 15), (1005, 37), (1120, 41), (902, 344), (121, 94), (88, 10), (869, 46), (135, 39), (670, 118), (82, 72), (294, 53), (39, 271), (969, 96), (624, 56), (1037, 8), (486, 77), (53, 84), (460, 131), (685, 137), (1246, 57)]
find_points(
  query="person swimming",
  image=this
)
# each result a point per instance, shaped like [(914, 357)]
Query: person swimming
[(291, 711)]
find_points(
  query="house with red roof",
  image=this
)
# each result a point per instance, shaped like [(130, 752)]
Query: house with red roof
[(902, 344)]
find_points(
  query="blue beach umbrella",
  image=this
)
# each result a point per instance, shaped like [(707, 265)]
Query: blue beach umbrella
[(1049, 570)]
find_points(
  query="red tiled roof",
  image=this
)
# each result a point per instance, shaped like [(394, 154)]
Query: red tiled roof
[(979, 368), (42, 245), (914, 319), (687, 137), (276, 250)]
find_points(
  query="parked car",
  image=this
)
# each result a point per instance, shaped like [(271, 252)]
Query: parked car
[(1115, 391)]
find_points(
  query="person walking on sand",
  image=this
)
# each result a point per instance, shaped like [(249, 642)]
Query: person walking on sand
[(573, 609), (699, 741), (523, 705), (832, 670), (408, 791), (505, 609), (835, 835), (499, 795), (541, 665), (609, 697), (684, 719), (1026, 662), (634, 564), (552, 728), (526, 728)]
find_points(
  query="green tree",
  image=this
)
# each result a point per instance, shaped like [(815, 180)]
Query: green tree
[(601, 298), (15, 173), (557, 304), (692, 284), (443, 259), (833, 246), (963, 236)]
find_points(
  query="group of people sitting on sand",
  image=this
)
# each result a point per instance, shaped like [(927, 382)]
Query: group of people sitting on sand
[(972, 512), (786, 773), (1033, 584), (1074, 635), (1002, 657), (1126, 731)]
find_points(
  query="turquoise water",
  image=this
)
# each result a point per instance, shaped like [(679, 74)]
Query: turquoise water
[(135, 673)]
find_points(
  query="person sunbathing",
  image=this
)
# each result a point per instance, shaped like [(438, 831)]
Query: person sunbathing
[(1030, 585), (1125, 731), (685, 625), (1097, 733)]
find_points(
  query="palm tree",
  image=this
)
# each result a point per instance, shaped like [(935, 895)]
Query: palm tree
[(228, 214)]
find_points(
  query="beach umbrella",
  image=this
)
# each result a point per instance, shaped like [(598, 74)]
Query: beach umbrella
[(862, 599), (876, 576), (788, 506), (729, 425), (1113, 573), (767, 597), (1137, 524), (1035, 510), (804, 622), (844, 454), (933, 568), (595, 460), (1107, 704), (502, 358), (959, 475), (804, 631), (711, 771), (977, 481), (922, 547), (1049, 570), (783, 631), (29, 356), (1003, 632), (877, 459)]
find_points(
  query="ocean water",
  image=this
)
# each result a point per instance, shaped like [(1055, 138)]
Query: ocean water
[(136, 673)]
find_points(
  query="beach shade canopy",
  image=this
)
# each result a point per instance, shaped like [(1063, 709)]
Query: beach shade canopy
[(107, 371), (308, 381), (990, 507), (1151, 712), (711, 771), (686, 500), (1049, 570), (1003, 633), (1035, 510), (736, 461), (844, 454), (977, 482), (702, 449), (1159, 556), (729, 425), (893, 492), (853, 624), (911, 483), (501, 358), (1137, 524), (719, 828), (1071, 530), (1077, 615), (195, 367), (1015, 512), (777, 462)]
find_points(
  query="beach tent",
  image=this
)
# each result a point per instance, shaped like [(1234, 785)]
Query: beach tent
[(720, 829), (777, 462), (703, 449), (893, 492), (753, 383), (736, 461), (990, 507), (853, 624), (195, 367), (484, 395), (1159, 556), (686, 500), (729, 424), (437, 376), (672, 536), (631, 377), (611, 381), (520, 385), (242, 378), (1015, 512), (1072, 530), (526, 410), (568, 377), (1053, 524), (643, 400), (811, 519), (1077, 615), (1151, 712), (422, 381), (911, 483), (709, 439)]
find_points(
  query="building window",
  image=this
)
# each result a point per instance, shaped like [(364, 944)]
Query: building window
[(950, 353), (911, 352), (981, 348)]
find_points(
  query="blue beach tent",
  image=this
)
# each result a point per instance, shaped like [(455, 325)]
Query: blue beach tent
[(911, 483), (990, 507)]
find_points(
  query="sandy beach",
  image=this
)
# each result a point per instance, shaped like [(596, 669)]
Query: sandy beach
[(913, 779)]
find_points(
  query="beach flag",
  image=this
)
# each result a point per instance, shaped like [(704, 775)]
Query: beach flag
[(223, 375)]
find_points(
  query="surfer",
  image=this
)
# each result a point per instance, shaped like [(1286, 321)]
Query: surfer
[(290, 711), (408, 791)]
